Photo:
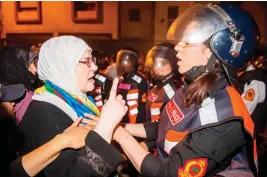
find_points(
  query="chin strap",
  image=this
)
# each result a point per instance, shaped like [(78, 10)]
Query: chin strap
[(197, 71), (231, 75)]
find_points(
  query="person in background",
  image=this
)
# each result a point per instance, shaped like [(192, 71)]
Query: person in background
[(161, 63), (111, 70), (65, 65), (254, 81), (33, 162), (18, 66), (141, 63), (133, 86), (205, 129)]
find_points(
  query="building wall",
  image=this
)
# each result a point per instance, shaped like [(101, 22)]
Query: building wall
[(56, 18), (143, 29), (256, 9), (161, 17)]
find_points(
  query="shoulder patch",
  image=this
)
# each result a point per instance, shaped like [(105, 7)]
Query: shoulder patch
[(137, 79), (124, 86), (174, 112), (100, 78), (152, 97), (249, 95), (194, 168)]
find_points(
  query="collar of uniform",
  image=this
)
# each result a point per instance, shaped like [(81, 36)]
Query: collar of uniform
[(220, 84)]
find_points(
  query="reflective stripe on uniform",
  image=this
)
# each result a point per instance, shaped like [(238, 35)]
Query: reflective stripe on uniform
[(100, 78), (207, 112), (169, 91), (131, 103), (137, 79), (134, 111), (155, 111), (132, 96), (173, 138), (99, 103), (99, 97)]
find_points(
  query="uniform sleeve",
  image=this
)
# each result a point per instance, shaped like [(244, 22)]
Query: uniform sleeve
[(17, 169), (143, 89), (254, 93), (151, 129), (198, 153)]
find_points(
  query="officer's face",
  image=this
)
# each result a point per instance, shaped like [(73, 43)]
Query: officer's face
[(191, 55), (127, 66), (161, 67)]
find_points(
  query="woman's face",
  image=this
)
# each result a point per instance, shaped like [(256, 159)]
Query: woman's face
[(191, 55), (85, 72)]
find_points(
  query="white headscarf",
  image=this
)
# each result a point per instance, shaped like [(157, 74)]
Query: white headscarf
[(58, 59)]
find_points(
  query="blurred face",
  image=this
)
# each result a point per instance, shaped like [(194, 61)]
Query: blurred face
[(161, 67), (33, 67), (85, 72), (7, 109)]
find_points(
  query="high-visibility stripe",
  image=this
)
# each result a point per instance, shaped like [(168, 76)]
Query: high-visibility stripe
[(240, 110), (207, 112), (132, 96), (172, 138), (99, 103), (131, 103), (100, 78), (137, 79), (155, 111), (169, 91), (99, 97)]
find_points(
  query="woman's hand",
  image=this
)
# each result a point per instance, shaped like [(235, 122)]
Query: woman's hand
[(112, 112), (74, 136), (114, 109), (91, 122)]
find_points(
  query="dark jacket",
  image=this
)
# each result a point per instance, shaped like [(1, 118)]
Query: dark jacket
[(43, 121), (214, 138)]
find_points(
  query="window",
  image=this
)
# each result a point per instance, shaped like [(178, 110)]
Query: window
[(134, 15), (173, 12)]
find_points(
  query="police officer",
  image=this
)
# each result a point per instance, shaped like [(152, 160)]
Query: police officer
[(103, 84), (161, 63), (254, 96), (205, 129), (102, 89), (133, 87)]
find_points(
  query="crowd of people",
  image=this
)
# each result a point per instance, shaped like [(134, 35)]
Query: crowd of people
[(194, 106)]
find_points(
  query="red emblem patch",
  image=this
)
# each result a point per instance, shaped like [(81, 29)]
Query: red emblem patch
[(174, 112), (193, 168), (152, 97)]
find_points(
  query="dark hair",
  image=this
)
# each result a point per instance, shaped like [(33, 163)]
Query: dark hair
[(13, 68), (198, 90)]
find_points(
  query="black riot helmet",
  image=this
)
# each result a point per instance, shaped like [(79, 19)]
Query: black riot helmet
[(161, 61), (126, 61)]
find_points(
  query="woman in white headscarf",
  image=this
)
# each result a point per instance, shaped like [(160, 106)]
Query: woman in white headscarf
[(66, 67)]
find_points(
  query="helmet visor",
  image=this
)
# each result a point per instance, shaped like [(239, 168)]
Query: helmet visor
[(195, 25)]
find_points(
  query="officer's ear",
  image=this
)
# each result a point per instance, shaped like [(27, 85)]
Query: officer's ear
[(206, 52)]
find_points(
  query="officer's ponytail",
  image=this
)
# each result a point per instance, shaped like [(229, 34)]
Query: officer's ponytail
[(198, 89)]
